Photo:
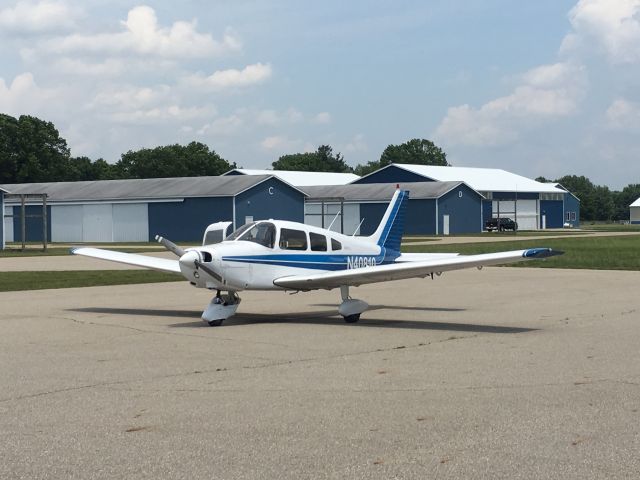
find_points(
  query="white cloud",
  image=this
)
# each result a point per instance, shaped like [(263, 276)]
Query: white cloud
[(37, 17), (611, 26), (322, 118), (356, 144), (280, 143), (23, 96), (249, 75), (142, 35), (544, 93), (111, 67), (222, 126), (623, 115), (273, 118)]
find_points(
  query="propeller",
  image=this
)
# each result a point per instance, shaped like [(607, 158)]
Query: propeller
[(169, 245), (205, 268)]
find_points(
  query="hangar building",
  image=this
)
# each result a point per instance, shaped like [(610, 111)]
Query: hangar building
[(434, 207), (301, 179), (532, 204), (2, 232), (634, 212), (137, 210)]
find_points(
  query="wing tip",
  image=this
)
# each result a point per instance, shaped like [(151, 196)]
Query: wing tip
[(536, 253)]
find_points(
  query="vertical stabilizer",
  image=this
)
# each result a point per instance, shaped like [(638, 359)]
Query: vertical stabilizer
[(389, 232)]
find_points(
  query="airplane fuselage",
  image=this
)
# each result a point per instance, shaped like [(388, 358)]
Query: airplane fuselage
[(250, 264)]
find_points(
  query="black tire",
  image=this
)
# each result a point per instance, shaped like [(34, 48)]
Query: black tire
[(352, 318), (215, 323)]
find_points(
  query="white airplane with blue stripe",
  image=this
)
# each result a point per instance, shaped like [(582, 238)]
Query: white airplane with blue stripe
[(294, 257)]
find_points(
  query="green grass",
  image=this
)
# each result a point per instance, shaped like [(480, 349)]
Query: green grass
[(597, 253), (610, 227), (14, 281)]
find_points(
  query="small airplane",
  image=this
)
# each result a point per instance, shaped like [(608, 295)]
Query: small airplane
[(290, 256)]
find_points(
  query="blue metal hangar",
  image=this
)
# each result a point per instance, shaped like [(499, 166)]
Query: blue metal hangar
[(137, 210), (532, 204), (434, 207)]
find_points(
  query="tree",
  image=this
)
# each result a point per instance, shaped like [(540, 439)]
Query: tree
[(322, 160), (31, 150), (192, 160), (416, 151), (623, 199)]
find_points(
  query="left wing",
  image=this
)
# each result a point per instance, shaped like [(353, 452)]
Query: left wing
[(399, 271), (162, 264)]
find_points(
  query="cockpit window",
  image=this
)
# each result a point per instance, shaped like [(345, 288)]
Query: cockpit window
[(263, 233), (239, 231)]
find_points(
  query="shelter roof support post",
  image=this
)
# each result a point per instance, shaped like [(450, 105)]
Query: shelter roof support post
[(23, 220), (44, 223)]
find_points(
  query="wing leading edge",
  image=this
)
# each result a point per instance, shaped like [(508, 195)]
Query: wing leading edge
[(400, 271), (162, 264)]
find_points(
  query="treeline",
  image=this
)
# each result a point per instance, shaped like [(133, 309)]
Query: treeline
[(597, 202), (32, 150)]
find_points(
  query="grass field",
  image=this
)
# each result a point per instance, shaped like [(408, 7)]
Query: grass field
[(14, 281), (597, 253), (610, 227)]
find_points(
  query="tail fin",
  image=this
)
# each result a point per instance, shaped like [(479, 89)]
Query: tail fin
[(389, 232)]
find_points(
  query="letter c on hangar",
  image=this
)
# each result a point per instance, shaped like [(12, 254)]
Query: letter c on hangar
[(270, 190)]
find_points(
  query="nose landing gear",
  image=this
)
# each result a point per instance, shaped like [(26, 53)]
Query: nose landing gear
[(220, 308), (351, 308)]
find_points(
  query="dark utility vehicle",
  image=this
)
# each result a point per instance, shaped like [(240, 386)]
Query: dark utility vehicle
[(501, 224)]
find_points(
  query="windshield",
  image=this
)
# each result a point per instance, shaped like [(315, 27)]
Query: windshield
[(240, 231), (263, 233)]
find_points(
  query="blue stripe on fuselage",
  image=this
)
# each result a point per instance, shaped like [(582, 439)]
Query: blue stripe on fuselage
[(314, 261)]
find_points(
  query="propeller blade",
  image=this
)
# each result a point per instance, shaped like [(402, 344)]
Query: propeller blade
[(169, 245), (210, 271)]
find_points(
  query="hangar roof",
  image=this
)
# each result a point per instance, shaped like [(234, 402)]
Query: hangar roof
[(301, 179), (381, 191), (636, 203), (480, 179), (141, 189)]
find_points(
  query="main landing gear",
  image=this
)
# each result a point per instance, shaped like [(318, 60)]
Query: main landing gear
[(351, 308), (220, 308)]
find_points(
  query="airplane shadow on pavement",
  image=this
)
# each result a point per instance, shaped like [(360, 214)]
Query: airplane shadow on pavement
[(326, 317)]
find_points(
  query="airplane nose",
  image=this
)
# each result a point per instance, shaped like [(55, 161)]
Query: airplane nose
[(188, 264)]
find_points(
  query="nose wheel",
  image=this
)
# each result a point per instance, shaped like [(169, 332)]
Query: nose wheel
[(350, 308), (220, 308)]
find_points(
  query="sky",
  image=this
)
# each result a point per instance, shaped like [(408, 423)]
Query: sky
[(544, 88)]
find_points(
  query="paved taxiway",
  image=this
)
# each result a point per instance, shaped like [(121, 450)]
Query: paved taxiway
[(500, 373)]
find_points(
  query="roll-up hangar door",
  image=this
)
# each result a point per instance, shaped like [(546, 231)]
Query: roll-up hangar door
[(313, 216), (525, 212), (100, 223), (8, 224)]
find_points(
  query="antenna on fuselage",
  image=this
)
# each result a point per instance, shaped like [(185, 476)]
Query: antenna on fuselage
[(358, 227), (333, 221)]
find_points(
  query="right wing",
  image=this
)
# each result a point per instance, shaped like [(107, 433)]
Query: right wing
[(162, 264), (399, 271)]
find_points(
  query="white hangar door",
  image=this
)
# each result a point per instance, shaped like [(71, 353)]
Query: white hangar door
[(97, 223), (8, 224), (313, 216), (66, 223), (527, 215), (130, 222)]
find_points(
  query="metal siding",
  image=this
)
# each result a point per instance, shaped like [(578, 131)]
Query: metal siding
[(372, 214), (66, 223), (571, 204), (392, 174), (514, 195), (487, 211), (554, 210), (130, 222), (33, 223), (634, 214), (2, 224), (97, 223), (420, 218), (283, 203), (463, 211), (186, 221)]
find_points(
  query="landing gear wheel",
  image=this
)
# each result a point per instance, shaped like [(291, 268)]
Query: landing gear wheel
[(352, 318), (215, 323)]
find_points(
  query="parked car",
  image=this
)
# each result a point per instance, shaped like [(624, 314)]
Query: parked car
[(501, 224)]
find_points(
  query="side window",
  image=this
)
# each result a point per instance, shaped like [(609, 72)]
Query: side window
[(335, 245), (293, 239), (212, 237), (318, 242)]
